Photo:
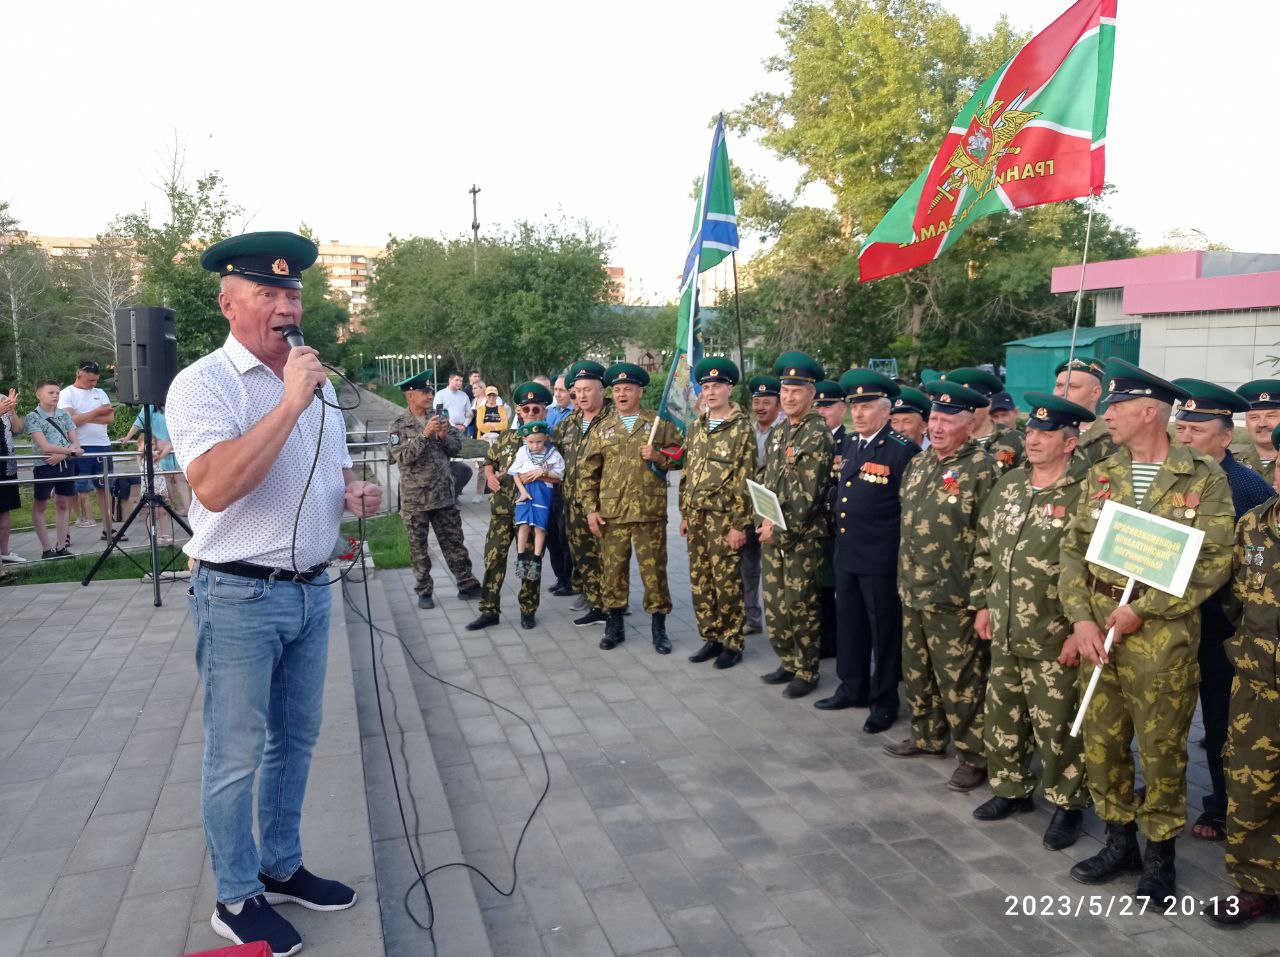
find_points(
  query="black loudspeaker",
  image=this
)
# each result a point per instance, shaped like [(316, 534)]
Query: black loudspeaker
[(146, 354)]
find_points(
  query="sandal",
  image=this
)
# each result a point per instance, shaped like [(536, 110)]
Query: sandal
[(1209, 827)]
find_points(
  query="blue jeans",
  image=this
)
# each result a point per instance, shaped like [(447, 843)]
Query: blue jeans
[(261, 648)]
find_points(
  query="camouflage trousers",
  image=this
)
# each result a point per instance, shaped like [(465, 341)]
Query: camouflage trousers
[(650, 542), (790, 578), (715, 579), (1253, 767), (497, 547), (448, 527), (944, 668), (1030, 705), (585, 550), (1134, 701)]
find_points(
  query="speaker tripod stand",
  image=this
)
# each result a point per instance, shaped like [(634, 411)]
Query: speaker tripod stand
[(151, 502)]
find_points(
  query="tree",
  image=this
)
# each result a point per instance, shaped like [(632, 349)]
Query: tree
[(325, 311), (24, 283), (101, 281)]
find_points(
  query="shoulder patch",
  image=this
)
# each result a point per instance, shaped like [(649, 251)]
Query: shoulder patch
[(394, 438)]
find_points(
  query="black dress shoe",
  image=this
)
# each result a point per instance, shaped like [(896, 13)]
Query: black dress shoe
[(879, 722), (426, 601), (468, 593), (727, 659), (527, 620), (999, 808), (708, 651), (484, 621), (798, 688), (837, 702), (779, 676), (1063, 829)]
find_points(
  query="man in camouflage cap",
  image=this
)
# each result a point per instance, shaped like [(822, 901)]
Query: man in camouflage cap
[(910, 415), (715, 510), (586, 379), (1147, 684), (797, 468), (1253, 776), (944, 665), (421, 445), (531, 400), (1004, 444), (1032, 694), (1263, 396), (1080, 381), (623, 487)]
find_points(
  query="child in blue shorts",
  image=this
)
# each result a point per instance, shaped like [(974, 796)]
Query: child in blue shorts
[(533, 501)]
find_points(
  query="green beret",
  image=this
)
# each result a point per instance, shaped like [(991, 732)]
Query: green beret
[(1126, 381), (975, 379), (269, 259), (911, 400), (527, 392), (531, 428), (1207, 400), (715, 369), (1275, 438), (827, 393), (864, 385), (1050, 413), (420, 382), (585, 369), (952, 397), (764, 385), (626, 373), (1081, 364), (1261, 393), (798, 368)]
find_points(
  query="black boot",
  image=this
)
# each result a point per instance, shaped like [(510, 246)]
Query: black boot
[(614, 633), (1118, 856), (1063, 829), (708, 651), (1158, 880), (661, 643)]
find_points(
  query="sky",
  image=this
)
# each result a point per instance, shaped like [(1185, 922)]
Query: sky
[(374, 119)]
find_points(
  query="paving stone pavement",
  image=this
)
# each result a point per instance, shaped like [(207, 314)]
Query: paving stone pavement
[(698, 812), (101, 847)]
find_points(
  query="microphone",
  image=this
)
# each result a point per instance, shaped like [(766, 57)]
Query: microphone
[(293, 335)]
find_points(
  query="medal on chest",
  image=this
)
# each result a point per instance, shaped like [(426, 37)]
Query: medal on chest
[(874, 472), (951, 485)]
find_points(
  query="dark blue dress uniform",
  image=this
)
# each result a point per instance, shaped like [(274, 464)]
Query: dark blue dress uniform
[(867, 518)]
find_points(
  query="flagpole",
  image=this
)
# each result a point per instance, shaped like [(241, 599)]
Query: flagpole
[(1075, 325), (737, 313)]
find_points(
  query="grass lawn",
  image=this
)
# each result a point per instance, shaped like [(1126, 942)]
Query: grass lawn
[(388, 542), (74, 569), (388, 392)]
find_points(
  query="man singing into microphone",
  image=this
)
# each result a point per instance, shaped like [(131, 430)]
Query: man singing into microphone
[(245, 421)]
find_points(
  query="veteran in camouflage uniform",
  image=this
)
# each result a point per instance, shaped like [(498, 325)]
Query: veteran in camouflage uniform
[(1263, 396), (1082, 384), (1032, 695), (1148, 681), (944, 665), (622, 486), (797, 468), (531, 400), (1004, 444), (421, 445), (1253, 760), (586, 379), (715, 512)]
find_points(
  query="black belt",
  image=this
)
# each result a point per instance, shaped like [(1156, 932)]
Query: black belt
[(1114, 592), (245, 570)]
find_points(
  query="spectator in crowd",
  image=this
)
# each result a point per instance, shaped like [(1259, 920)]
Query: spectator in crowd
[(562, 404), (162, 453), (557, 531), (456, 402), (91, 412), (492, 417), (11, 424), (54, 433)]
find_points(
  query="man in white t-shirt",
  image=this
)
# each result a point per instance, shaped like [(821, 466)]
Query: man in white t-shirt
[(456, 401), (91, 411)]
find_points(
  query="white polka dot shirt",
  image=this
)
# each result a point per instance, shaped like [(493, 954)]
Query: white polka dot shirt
[(224, 395)]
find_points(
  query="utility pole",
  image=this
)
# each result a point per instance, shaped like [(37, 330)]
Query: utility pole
[(475, 229)]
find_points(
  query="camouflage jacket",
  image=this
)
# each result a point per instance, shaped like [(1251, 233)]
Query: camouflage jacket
[(425, 482), (1255, 584), (1006, 447), (1016, 560), (1251, 458), (717, 464), (502, 452), (797, 468), (1095, 443), (941, 502), (569, 438), (1187, 483), (612, 477)]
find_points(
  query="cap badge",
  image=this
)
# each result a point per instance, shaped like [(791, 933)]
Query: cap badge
[(1042, 413), (792, 372), (859, 390), (1264, 396), (715, 372), (760, 388), (944, 398), (1189, 405), (230, 268), (1112, 386), (280, 267)]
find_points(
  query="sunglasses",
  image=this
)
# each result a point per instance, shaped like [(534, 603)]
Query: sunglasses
[(88, 367)]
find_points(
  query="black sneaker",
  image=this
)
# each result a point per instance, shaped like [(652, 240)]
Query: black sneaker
[(257, 920), (313, 893), (594, 616)]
